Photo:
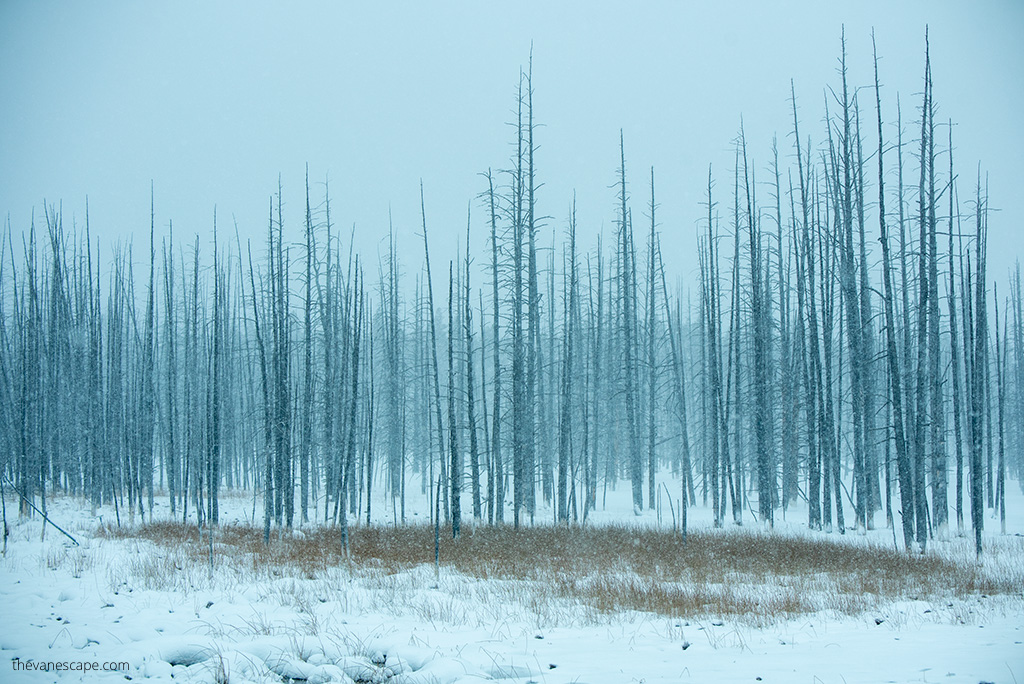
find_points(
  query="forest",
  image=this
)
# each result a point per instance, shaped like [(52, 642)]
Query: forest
[(844, 348)]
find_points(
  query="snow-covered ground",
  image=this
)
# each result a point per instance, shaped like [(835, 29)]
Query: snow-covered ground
[(166, 618)]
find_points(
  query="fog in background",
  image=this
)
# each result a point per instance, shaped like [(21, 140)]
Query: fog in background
[(212, 101)]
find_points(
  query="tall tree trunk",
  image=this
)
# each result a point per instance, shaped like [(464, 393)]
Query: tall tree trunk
[(433, 346), (627, 277), (474, 451), (652, 370), (453, 442), (902, 455), (497, 477)]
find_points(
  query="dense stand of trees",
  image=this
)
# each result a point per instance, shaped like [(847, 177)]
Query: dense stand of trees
[(806, 365)]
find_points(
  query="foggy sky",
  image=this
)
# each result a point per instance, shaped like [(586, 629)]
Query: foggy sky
[(212, 101)]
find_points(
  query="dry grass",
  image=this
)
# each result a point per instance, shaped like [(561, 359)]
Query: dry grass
[(756, 575)]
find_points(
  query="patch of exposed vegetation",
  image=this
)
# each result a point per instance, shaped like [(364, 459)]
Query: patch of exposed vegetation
[(759, 575)]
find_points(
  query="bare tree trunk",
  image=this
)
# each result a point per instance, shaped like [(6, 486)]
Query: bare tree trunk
[(214, 428), (652, 370), (533, 319), (902, 456), (568, 376), (923, 308), (762, 362), (268, 474), (806, 290), (937, 409), (1000, 499), (979, 367), (307, 369), (453, 443), (170, 342), (433, 346), (955, 351), (497, 476), (149, 367), (627, 277), (712, 316), (348, 463), (598, 383), (474, 451)]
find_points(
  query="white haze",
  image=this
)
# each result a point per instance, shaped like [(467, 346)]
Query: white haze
[(211, 101)]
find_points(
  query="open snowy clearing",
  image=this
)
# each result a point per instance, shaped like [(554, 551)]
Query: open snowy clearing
[(151, 604)]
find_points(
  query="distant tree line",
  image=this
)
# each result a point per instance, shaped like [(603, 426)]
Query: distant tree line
[(837, 350)]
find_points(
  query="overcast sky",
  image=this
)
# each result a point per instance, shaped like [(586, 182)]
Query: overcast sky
[(211, 101)]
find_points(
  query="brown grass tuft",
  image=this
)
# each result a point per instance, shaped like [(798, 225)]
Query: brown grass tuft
[(761, 575)]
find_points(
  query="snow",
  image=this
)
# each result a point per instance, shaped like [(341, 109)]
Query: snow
[(131, 601)]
